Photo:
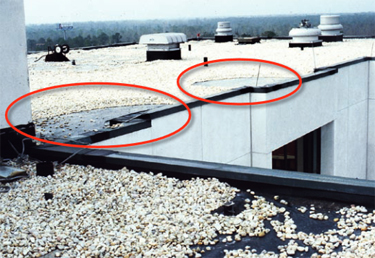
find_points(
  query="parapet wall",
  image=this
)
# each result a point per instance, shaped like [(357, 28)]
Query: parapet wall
[(338, 99)]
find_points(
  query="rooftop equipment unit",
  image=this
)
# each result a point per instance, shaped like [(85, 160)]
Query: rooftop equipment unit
[(57, 54), (331, 28), (223, 32), (163, 45), (305, 36)]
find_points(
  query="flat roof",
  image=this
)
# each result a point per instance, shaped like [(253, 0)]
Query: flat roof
[(128, 65)]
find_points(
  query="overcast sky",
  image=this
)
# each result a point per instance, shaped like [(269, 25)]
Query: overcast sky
[(69, 11)]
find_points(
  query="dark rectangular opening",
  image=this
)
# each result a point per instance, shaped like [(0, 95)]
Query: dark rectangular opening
[(301, 155)]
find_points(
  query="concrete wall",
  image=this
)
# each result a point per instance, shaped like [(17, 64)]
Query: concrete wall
[(216, 133), (327, 149), (341, 104), (371, 124), (13, 62), (279, 123), (348, 134)]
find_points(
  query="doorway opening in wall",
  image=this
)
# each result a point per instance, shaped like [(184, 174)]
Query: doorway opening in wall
[(301, 155)]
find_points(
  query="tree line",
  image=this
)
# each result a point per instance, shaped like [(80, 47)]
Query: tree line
[(84, 34), (79, 41)]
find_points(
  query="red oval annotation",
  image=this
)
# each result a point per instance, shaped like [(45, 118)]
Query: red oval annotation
[(96, 146), (239, 60)]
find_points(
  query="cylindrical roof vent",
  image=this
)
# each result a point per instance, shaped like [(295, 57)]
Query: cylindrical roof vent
[(331, 28), (223, 32), (305, 36)]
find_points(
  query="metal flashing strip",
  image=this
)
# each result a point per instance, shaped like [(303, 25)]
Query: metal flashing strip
[(345, 64), (277, 86), (360, 192)]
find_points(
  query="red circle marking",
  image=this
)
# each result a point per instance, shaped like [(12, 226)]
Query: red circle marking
[(93, 146), (237, 60)]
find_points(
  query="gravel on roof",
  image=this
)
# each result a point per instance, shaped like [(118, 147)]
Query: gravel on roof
[(127, 65)]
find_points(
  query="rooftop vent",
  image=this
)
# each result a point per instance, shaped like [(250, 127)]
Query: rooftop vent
[(223, 32), (331, 28), (305, 36), (163, 45)]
